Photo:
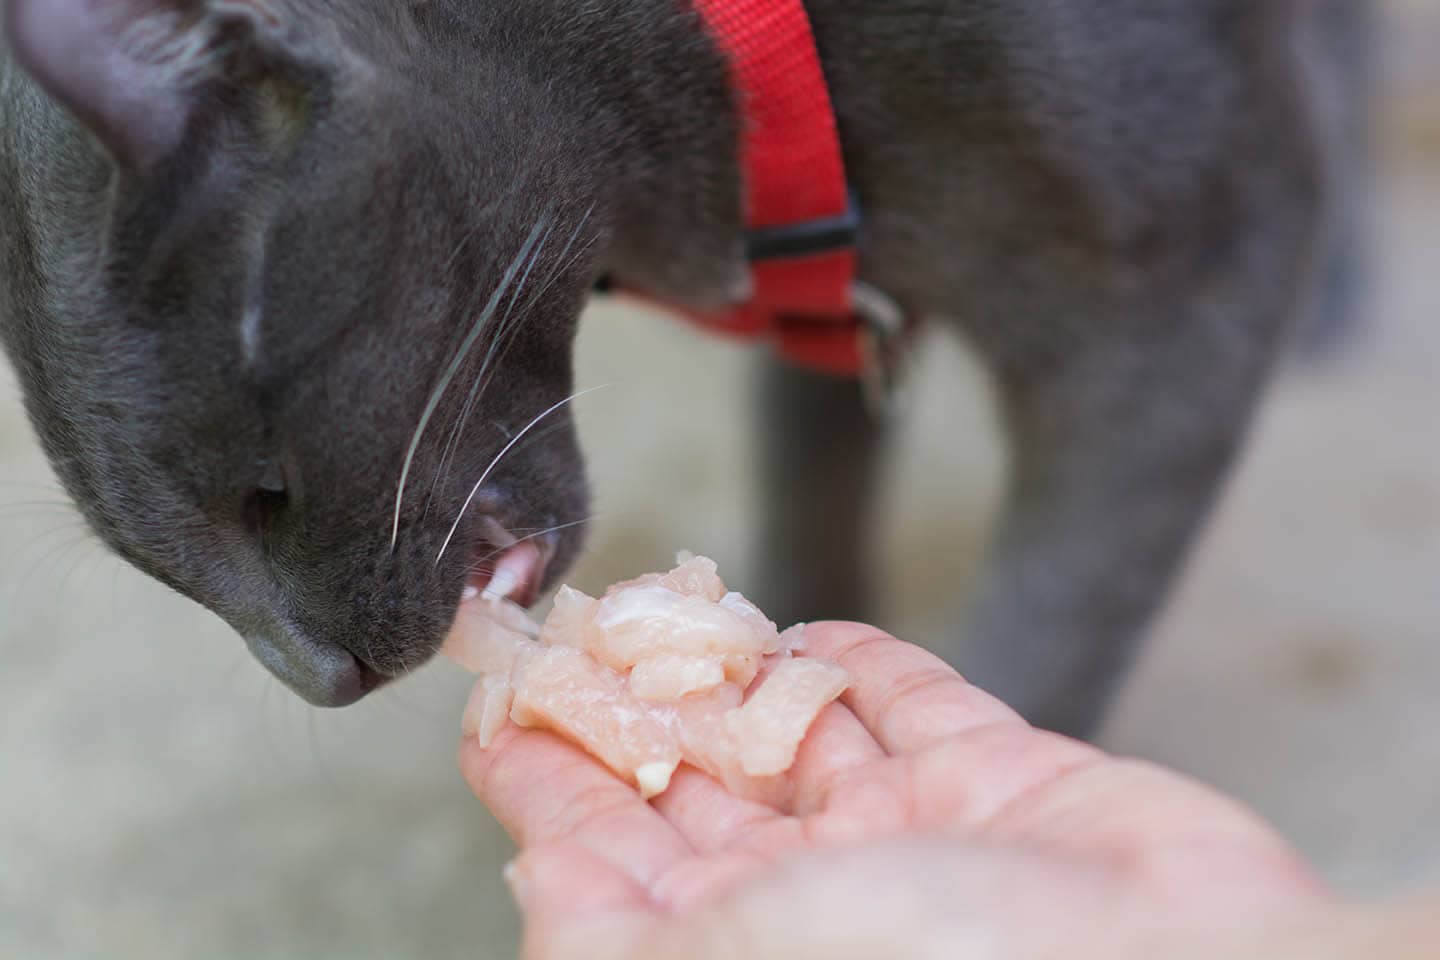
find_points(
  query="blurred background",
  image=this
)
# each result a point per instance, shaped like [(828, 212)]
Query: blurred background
[(161, 796)]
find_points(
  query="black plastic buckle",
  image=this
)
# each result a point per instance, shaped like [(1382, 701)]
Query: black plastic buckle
[(808, 239)]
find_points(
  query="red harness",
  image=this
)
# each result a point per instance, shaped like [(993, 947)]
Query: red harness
[(801, 220)]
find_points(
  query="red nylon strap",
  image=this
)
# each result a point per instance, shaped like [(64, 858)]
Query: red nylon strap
[(794, 174)]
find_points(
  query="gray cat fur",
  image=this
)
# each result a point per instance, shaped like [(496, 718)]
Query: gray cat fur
[(1123, 205)]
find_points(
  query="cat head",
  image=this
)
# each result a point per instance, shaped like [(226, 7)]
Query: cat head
[(298, 335)]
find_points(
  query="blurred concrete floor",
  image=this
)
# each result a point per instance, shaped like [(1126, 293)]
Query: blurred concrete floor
[(161, 797)]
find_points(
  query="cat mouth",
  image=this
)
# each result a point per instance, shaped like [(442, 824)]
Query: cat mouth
[(507, 567)]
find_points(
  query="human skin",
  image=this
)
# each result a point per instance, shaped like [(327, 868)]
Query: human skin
[(929, 821)]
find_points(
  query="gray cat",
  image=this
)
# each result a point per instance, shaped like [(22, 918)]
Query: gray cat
[(282, 278)]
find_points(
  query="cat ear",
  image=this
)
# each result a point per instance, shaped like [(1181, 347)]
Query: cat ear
[(132, 70)]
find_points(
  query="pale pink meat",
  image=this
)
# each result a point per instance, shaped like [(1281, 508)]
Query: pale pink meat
[(673, 676), (694, 577), (768, 729), (699, 723), (489, 708), (563, 690), (660, 669), (764, 627), (571, 619), (486, 640), (791, 640), (643, 622)]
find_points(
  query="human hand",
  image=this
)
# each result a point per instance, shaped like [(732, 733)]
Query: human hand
[(929, 820)]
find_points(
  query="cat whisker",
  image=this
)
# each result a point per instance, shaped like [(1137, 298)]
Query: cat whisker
[(535, 437), (500, 456), (506, 201), (95, 563), (89, 548), (560, 269), (23, 508), (470, 400), (454, 368), (508, 329), (68, 525), (533, 536), (53, 555), (480, 220), (473, 302)]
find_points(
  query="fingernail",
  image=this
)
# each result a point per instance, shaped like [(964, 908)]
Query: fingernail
[(515, 881)]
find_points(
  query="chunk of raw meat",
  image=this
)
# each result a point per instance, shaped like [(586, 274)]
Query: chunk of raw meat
[(489, 708), (694, 577), (563, 690), (643, 622), (660, 669), (768, 729), (571, 619), (674, 676), (486, 640)]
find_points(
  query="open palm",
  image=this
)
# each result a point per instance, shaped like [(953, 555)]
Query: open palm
[(929, 820)]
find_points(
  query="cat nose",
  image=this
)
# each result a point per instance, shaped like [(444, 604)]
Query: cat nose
[(322, 673)]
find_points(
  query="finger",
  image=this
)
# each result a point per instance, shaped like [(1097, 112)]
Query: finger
[(543, 789), (578, 904), (836, 745), (905, 696), (709, 817), (703, 880)]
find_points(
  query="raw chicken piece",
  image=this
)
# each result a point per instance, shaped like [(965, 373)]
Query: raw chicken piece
[(699, 725), (694, 577), (660, 669), (642, 622), (489, 708), (709, 746), (792, 641), (563, 690), (769, 727), (697, 577), (674, 676), (570, 619), (491, 638), (764, 626)]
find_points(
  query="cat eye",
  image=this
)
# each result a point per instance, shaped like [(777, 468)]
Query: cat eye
[(268, 497), (272, 478)]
